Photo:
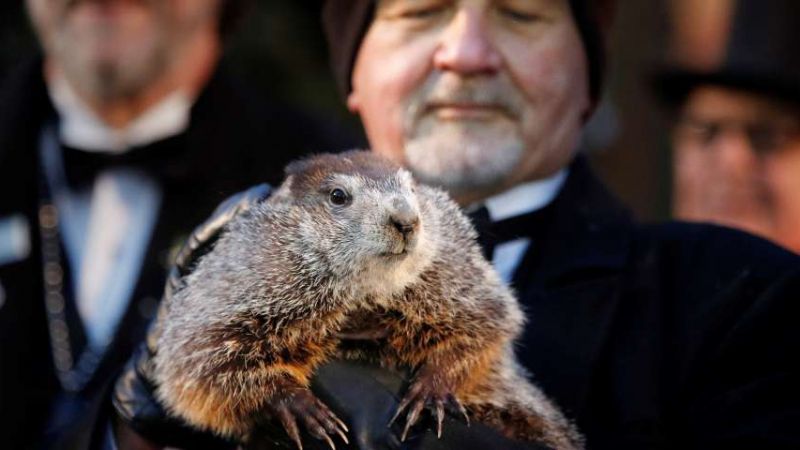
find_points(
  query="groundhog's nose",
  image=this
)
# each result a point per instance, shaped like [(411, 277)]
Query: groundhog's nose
[(405, 226), (404, 218)]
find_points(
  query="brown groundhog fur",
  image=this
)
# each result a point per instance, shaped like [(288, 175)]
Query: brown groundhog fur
[(347, 241)]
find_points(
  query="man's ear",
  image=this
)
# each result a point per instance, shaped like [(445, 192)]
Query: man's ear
[(353, 102)]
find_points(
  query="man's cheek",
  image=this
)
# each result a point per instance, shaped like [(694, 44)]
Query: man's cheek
[(782, 169)]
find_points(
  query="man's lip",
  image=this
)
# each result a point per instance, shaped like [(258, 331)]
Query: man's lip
[(104, 9), (465, 111)]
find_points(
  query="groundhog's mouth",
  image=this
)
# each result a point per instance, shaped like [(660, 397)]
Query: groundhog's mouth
[(399, 247), (400, 250), (395, 254), (403, 247)]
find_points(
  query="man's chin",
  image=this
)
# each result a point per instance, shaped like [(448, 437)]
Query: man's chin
[(457, 184), (109, 76), (463, 167)]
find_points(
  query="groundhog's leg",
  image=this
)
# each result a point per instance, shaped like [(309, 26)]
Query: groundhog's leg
[(519, 423), (508, 402), (447, 367), (290, 402), (233, 375), (487, 379), (431, 392), (232, 403)]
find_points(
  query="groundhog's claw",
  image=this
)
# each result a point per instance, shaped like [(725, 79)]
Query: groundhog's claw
[(456, 408), (290, 425), (317, 418), (422, 395), (439, 417)]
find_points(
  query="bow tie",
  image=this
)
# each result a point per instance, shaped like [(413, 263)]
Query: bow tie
[(159, 159), (491, 234)]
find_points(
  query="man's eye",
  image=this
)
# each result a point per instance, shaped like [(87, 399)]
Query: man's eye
[(702, 132), (421, 12), (518, 15)]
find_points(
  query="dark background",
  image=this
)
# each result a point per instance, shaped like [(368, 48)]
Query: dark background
[(279, 49)]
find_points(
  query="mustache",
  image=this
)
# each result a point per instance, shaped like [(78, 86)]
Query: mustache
[(73, 3), (491, 92), (70, 4)]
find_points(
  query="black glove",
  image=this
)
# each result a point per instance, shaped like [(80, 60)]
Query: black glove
[(134, 393), (366, 397)]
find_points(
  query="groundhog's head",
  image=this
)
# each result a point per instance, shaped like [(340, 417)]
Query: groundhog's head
[(361, 216)]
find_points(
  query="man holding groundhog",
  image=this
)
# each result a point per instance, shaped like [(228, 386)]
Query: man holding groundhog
[(667, 336)]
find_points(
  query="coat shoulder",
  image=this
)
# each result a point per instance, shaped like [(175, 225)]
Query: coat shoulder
[(711, 251), (715, 284)]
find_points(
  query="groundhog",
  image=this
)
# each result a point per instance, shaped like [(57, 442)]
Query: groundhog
[(348, 242)]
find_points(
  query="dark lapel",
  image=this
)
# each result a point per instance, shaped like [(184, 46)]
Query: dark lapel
[(568, 284), (26, 380)]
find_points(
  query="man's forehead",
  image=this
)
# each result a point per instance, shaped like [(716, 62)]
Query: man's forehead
[(723, 103), (391, 3), (346, 23)]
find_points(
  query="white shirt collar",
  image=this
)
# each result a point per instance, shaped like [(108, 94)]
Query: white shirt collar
[(525, 198), (79, 127)]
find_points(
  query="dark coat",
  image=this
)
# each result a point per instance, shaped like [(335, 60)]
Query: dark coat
[(661, 337), (673, 336), (236, 139)]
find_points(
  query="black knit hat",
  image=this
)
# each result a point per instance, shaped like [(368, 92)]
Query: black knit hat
[(593, 18), (759, 52), (346, 21)]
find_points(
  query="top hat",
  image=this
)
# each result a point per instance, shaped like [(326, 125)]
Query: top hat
[(745, 44)]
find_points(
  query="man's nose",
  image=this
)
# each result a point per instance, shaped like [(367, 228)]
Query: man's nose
[(467, 45), (734, 154)]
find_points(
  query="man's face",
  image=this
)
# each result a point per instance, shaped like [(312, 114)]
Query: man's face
[(473, 95), (114, 48), (737, 163)]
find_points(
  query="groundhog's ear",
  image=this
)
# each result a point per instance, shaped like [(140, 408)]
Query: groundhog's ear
[(294, 167), (284, 190), (297, 167)]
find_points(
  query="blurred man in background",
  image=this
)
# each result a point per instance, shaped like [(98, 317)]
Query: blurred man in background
[(114, 143), (734, 84)]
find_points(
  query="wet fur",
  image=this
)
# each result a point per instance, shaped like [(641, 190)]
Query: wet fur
[(263, 309)]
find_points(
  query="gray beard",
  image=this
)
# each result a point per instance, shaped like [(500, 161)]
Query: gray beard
[(451, 159), (121, 77), (114, 79), (463, 156)]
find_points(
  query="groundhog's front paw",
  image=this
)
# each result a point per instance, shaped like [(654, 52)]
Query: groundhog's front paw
[(427, 392), (289, 405)]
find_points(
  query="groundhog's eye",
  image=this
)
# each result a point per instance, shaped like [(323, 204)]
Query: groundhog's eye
[(339, 197)]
